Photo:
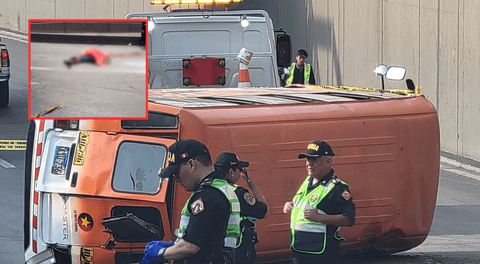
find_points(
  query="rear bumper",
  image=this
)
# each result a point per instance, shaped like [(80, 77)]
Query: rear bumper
[(4, 75)]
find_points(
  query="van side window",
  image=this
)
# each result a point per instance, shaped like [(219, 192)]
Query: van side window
[(136, 167)]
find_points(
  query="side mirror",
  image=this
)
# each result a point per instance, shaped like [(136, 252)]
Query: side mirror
[(284, 50), (393, 73), (381, 70)]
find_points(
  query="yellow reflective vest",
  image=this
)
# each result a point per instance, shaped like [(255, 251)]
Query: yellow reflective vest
[(233, 227), (308, 236), (306, 74)]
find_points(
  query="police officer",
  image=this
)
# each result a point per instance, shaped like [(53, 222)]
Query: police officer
[(322, 204), (252, 205), (301, 72), (210, 218)]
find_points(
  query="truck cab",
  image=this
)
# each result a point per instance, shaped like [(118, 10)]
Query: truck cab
[(176, 37)]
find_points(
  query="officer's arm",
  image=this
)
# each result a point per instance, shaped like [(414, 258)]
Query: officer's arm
[(337, 220), (181, 250), (255, 191)]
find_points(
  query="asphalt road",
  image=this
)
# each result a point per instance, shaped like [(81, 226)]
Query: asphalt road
[(454, 236), (86, 89)]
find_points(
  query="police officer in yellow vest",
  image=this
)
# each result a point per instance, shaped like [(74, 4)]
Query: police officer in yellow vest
[(252, 205), (209, 225), (301, 72), (322, 204)]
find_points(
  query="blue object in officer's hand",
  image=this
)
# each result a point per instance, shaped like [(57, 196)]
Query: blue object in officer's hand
[(151, 251)]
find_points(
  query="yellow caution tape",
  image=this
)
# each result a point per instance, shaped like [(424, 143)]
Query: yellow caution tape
[(13, 144), (362, 89)]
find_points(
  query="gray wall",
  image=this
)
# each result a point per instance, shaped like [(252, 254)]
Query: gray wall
[(438, 41)]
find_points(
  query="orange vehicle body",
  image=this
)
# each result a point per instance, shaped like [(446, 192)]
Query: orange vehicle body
[(387, 148)]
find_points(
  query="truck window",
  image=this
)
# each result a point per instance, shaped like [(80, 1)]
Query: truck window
[(196, 42), (136, 167)]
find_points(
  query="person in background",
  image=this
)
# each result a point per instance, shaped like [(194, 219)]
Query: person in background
[(143, 35), (252, 205), (210, 217), (91, 55), (300, 72), (322, 204)]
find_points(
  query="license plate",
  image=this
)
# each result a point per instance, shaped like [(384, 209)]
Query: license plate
[(60, 160)]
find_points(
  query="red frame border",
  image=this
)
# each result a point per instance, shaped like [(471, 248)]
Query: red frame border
[(30, 117)]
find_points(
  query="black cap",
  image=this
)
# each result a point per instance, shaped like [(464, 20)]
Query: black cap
[(180, 152), (317, 149), (302, 52), (227, 160)]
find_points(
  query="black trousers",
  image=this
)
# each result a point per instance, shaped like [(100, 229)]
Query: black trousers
[(329, 258)]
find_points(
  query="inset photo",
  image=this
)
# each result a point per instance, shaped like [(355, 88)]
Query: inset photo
[(88, 69)]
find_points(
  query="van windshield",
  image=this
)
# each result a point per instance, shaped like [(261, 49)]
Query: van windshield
[(136, 167)]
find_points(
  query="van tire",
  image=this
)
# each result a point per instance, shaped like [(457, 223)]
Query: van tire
[(4, 94)]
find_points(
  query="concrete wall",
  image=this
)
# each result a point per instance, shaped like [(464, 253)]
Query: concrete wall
[(438, 42)]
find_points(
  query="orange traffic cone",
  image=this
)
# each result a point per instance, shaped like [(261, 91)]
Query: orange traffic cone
[(244, 57)]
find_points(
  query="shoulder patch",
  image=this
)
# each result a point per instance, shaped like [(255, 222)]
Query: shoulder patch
[(249, 198), (197, 206), (346, 195)]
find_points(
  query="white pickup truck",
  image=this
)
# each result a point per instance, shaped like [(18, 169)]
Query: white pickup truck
[(201, 36), (4, 75)]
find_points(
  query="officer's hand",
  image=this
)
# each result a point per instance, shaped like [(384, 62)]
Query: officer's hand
[(151, 251), (287, 208), (245, 175), (312, 215)]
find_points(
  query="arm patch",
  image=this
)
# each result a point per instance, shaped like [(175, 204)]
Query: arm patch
[(249, 198), (346, 195)]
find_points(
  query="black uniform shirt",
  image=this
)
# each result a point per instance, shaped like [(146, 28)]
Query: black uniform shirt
[(336, 201), (249, 206), (209, 212)]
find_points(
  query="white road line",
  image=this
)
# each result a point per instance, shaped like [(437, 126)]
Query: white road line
[(472, 171), (10, 35), (459, 172), (6, 164), (449, 243), (459, 164)]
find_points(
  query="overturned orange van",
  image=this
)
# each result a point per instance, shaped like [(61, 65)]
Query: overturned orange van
[(93, 194)]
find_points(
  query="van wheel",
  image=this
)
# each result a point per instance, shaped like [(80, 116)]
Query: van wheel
[(4, 94)]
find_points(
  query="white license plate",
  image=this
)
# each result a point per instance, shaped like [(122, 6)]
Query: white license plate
[(60, 160)]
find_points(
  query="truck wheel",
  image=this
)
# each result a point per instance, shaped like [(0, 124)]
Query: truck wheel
[(4, 94)]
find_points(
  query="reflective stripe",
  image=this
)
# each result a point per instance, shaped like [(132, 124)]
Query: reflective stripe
[(184, 220), (236, 207), (230, 242), (304, 205), (233, 225), (306, 73), (234, 220), (311, 228)]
